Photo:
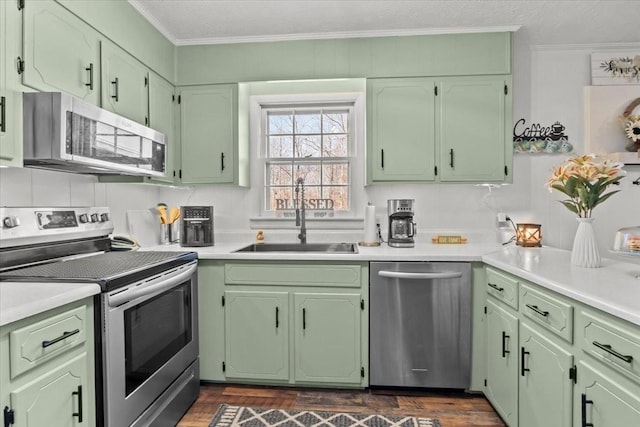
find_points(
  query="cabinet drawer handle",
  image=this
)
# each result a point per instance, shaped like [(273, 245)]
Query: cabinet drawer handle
[(523, 353), (451, 158), (585, 402), (79, 394), (64, 335), (116, 85), (90, 70), (496, 287), (611, 351), (277, 317), (505, 337), (3, 113), (537, 310), (221, 161), (382, 158)]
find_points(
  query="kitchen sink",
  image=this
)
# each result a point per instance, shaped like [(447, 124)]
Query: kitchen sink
[(337, 248)]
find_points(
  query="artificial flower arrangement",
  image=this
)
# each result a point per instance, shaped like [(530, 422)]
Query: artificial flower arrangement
[(585, 180)]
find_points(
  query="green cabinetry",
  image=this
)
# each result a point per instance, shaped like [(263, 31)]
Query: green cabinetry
[(125, 83), (451, 129), (302, 323), (47, 368), (10, 90), (209, 135), (61, 52), (554, 361), (162, 117)]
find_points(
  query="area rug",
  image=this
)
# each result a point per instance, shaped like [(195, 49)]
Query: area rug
[(242, 416)]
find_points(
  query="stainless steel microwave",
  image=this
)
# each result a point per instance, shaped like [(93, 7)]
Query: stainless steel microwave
[(65, 133)]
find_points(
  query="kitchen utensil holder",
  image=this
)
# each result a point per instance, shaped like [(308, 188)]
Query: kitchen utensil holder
[(169, 233)]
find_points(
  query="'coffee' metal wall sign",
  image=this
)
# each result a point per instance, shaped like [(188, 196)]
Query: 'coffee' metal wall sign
[(540, 139)]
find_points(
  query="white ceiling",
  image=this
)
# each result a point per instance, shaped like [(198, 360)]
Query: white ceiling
[(564, 22)]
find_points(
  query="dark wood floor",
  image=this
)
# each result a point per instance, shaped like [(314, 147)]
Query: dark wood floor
[(452, 409)]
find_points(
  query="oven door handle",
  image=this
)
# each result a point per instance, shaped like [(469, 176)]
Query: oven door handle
[(158, 285), (407, 275)]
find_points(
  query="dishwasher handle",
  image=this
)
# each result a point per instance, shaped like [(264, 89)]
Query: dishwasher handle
[(420, 276)]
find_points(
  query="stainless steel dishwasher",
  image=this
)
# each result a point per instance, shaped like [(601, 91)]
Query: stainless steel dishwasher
[(420, 324)]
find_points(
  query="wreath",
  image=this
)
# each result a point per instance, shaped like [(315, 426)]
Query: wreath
[(631, 124)]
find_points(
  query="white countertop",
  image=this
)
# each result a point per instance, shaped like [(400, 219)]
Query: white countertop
[(613, 288), (19, 300)]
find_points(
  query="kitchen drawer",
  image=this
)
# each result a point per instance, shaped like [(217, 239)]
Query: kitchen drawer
[(611, 341), (502, 287), (303, 274), (39, 342), (549, 311)]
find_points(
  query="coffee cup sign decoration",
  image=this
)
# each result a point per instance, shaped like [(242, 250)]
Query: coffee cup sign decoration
[(536, 138)]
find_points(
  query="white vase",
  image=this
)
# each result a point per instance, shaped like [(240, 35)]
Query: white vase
[(585, 247)]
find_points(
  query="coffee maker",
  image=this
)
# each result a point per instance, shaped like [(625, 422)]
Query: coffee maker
[(401, 225), (197, 226)]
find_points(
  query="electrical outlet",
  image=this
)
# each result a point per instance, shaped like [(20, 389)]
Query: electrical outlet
[(502, 217)]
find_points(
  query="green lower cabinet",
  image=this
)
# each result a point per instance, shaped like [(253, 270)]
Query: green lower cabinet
[(602, 402), (327, 338), (257, 335), (52, 400), (502, 362), (546, 389)]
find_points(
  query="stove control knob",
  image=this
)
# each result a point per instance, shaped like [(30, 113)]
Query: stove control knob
[(104, 217), (94, 217), (11, 221), (84, 218)]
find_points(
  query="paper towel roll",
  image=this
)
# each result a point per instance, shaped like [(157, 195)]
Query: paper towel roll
[(370, 228)]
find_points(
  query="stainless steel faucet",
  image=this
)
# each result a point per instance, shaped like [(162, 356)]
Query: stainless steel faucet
[(301, 211)]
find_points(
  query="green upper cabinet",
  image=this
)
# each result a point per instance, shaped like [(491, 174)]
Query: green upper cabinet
[(400, 129), (10, 90), (257, 335), (61, 52), (125, 83), (474, 123), (453, 129), (327, 338), (162, 118), (209, 134)]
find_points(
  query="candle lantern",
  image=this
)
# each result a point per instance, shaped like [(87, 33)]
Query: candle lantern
[(528, 235)]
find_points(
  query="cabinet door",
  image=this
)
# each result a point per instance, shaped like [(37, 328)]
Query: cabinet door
[(545, 387), (256, 335), (502, 362), (52, 400), (61, 52), (209, 132), (327, 338), (161, 118), (471, 126), (602, 402), (124, 83), (10, 91), (401, 129)]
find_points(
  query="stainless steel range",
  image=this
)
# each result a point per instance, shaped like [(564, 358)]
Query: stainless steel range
[(146, 316)]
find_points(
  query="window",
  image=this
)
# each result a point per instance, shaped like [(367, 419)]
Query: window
[(314, 143)]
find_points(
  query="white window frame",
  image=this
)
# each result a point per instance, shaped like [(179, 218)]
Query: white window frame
[(341, 219)]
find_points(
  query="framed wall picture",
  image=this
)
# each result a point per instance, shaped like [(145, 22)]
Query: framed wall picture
[(615, 68)]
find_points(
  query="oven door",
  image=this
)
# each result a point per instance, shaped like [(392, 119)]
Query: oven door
[(150, 338)]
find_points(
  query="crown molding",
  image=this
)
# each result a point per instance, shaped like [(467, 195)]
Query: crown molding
[(153, 21)]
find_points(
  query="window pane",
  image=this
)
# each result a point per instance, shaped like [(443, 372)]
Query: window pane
[(309, 172), (339, 195), (307, 122), (335, 146), (335, 122), (279, 198), (280, 146), (280, 174), (307, 146), (312, 193), (335, 173), (279, 123)]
